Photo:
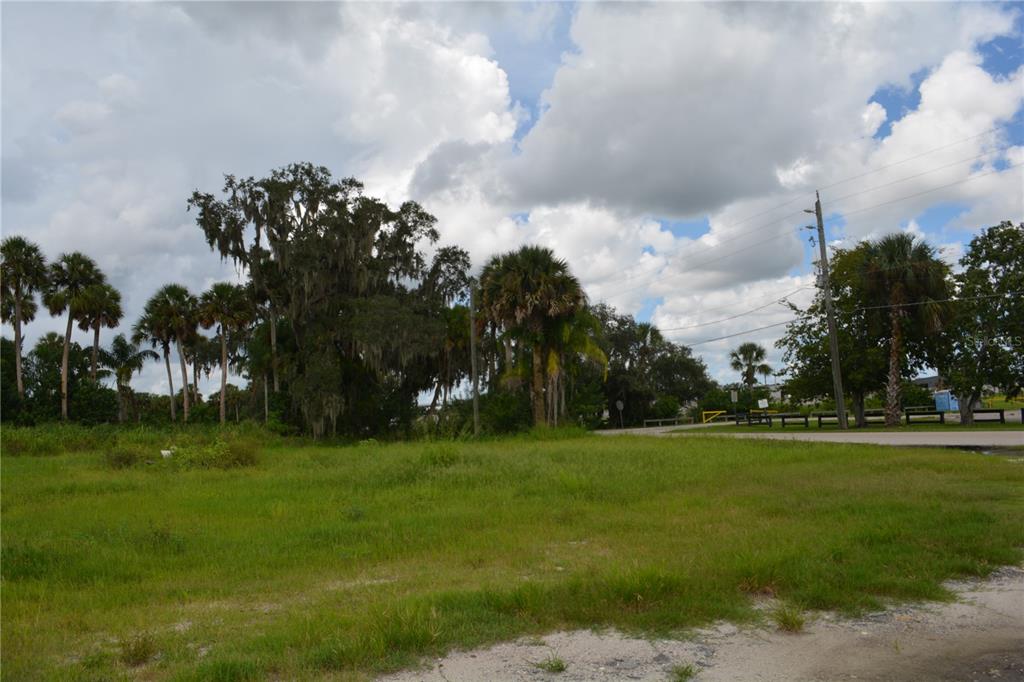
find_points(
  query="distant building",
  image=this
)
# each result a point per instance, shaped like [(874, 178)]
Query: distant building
[(932, 383)]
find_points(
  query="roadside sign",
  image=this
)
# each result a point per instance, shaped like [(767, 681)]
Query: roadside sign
[(763, 403), (734, 395)]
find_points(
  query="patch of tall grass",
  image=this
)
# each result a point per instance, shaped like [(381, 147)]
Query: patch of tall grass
[(129, 445)]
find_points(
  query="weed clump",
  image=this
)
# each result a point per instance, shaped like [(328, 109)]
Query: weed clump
[(137, 650), (788, 618), (683, 673), (552, 664)]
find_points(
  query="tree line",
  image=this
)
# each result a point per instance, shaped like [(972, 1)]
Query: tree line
[(350, 312), (344, 320), (900, 308)]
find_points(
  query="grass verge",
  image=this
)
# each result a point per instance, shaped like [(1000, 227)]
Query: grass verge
[(346, 561)]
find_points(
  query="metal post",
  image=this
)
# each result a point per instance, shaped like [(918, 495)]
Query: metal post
[(472, 354), (833, 337)]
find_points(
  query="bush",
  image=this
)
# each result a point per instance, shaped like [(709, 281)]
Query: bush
[(219, 454), (124, 456)]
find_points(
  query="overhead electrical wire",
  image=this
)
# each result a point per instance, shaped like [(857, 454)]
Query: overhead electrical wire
[(911, 158), (878, 307)]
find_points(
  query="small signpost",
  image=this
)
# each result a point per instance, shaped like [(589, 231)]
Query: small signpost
[(762, 403), (619, 404), (734, 396)]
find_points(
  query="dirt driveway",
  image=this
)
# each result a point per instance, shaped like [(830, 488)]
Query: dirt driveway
[(978, 637)]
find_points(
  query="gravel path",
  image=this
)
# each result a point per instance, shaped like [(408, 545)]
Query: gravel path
[(978, 637)]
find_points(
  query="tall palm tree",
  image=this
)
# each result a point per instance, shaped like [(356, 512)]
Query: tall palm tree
[(154, 328), (227, 306), (748, 360), (101, 307), (70, 277), (178, 307), (530, 292), (22, 274), (905, 275), (125, 358)]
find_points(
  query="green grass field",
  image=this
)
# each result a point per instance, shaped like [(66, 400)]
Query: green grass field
[(340, 562)]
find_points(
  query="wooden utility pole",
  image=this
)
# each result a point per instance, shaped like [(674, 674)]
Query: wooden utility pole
[(833, 337), (472, 354)]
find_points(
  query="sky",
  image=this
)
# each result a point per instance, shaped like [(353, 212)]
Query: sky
[(666, 151)]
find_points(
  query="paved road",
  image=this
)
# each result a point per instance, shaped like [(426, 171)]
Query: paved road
[(939, 438), (921, 438)]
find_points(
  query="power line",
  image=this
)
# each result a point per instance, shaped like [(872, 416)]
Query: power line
[(911, 158), (929, 191), (748, 331), (891, 305), (733, 317), (943, 300), (917, 175)]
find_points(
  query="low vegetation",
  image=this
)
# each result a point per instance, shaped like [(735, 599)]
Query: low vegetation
[(552, 664), (346, 561), (788, 618), (683, 673)]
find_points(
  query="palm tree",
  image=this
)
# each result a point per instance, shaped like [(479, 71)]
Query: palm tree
[(22, 274), (178, 307), (101, 307), (530, 292), (227, 306), (70, 278), (125, 359), (748, 360), (153, 328), (905, 275)]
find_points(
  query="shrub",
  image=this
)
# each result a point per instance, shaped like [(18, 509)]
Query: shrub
[(220, 454), (124, 456)]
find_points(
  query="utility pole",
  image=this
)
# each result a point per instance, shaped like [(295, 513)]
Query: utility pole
[(833, 335), (472, 354)]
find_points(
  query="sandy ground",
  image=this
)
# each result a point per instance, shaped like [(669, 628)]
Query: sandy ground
[(978, 637)]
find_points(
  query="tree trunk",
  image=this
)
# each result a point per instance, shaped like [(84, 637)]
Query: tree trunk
[(892, 389), (273, 349), (266, 400), (17, 347), (64, 370), (223, 373), (858, 409), (195, 380), (966, 407), (184, 379), (537, 386), (170, 382), (95, 349), (120, 403)]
